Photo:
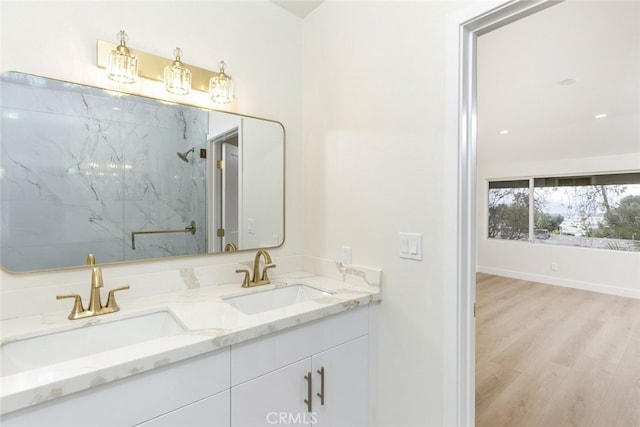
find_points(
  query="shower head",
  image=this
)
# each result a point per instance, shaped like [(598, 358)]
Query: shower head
[(184, 155)]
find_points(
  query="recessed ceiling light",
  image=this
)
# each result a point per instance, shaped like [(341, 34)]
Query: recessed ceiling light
[(567, 82), (600, 116), (504, 132)]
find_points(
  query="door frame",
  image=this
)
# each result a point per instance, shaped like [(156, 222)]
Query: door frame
[(463, 30), (229, 200), (215, 183)]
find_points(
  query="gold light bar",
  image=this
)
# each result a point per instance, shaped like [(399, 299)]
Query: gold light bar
[(152, 66)]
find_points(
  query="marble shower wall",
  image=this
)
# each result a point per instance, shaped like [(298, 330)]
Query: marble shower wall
[(81, 171)]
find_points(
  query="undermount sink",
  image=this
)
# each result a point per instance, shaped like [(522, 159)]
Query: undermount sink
[(23, 354), (270, 299)]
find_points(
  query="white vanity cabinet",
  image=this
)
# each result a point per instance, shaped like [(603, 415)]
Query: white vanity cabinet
[(209, 412), (272, 377), (281, 396), (346, 385), (260, 382), (176, 389)]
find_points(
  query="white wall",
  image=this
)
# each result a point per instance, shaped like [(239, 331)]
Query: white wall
[(379, 153), (260, 43), (600, 270), (378, 161)]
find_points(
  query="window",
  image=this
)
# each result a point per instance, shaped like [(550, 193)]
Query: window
[(509, 210), (601, 211)]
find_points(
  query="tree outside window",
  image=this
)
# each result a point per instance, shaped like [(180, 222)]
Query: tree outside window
[(600, 211), (509, 210)]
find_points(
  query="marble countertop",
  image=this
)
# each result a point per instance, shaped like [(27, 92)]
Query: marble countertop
[(210, 324)]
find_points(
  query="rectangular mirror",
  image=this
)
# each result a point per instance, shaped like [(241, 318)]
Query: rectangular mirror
[(87, 170)]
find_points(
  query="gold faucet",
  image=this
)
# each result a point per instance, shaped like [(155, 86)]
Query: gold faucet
[(95, 304), (259, 278), (230, 247)]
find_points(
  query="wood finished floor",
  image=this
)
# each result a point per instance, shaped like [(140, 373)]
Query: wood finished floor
[(549, 356)]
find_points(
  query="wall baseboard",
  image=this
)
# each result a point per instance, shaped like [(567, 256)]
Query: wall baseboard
[(557, 281)]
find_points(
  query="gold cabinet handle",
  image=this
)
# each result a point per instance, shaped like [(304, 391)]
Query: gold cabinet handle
[(321, 394), (308, 400)]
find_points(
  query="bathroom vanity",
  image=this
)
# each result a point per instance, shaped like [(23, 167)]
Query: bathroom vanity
[(185, 346), (294, 352)]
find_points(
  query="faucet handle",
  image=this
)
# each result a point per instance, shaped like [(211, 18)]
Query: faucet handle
[(245, 281), (91, 259), (77, 309), (111, 298), (265, 277)]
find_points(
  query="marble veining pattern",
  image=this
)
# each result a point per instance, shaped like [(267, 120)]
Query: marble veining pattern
[(73, 167), (210, 322)]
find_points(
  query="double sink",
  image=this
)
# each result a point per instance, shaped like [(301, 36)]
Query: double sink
[(25, 353)]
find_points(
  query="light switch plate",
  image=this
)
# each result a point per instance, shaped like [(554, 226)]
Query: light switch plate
[(411, 246)]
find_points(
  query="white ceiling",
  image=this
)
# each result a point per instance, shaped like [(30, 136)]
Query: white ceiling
[(520, 70), (300, 8), (523, 71)]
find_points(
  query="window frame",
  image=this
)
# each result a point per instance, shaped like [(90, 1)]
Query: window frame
[(555, 181)]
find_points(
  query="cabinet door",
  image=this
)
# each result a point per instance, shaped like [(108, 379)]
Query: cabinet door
[(346, 386), (276, 398), (212, 411), (134, 399)]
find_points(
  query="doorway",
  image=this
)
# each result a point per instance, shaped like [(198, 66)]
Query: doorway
[(468, 28), (553, 134), (226, 190)]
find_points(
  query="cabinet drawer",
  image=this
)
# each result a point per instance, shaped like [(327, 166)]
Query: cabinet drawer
[(262, 355), (134, 399), (210, 412)]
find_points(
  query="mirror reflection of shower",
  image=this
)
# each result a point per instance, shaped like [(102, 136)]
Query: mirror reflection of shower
[(184, 155)]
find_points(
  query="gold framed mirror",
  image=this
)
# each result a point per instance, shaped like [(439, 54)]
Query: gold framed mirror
[(126, 177)]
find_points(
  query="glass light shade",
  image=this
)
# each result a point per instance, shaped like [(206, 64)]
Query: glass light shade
[(221, 87), (122, 67), (177, 77)]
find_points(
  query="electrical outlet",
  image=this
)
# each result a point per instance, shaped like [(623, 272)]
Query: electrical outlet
[(346, 256), (554, 266)]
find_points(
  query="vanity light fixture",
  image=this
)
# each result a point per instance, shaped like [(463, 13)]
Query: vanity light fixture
[(122, 66), (177, 77), (221, 87)]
